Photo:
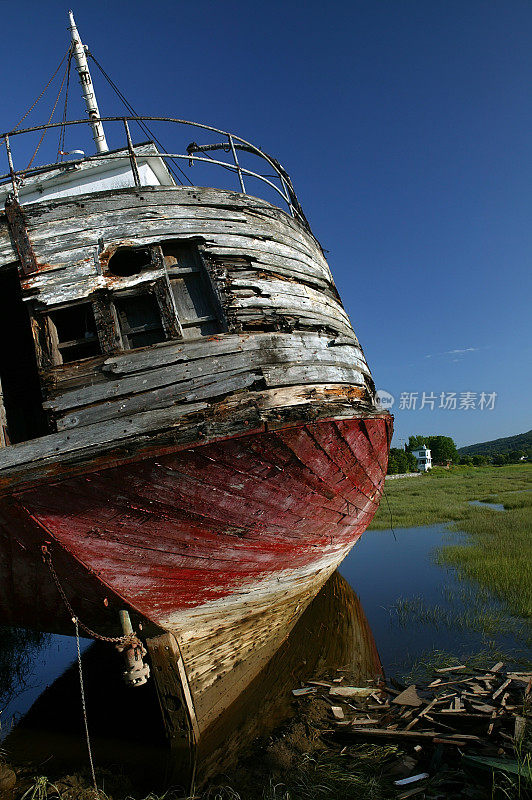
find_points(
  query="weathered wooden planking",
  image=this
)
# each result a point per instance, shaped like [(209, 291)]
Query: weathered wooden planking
[(83, 227), (50, 250), (129, 526), (249, 597), (122, 200), (288, 298), (174, 352), (173, 689), (245, 290), (291, 264), (294, 374), (278, 237), (92, 436), (221, 202), (354, 397), (78, 277), (305, 446), (127, 197), (89, 226), (188, 392), (33, 462), (262, 270), (329, 359), (80, 274), (288, 373)]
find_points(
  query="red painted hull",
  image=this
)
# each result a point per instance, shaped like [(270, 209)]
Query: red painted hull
[(170, 535)]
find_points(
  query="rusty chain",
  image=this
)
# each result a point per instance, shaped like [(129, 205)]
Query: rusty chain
[(84, 707), (130, 639)]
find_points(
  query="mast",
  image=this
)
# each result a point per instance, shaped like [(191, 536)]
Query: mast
[(87, 88)]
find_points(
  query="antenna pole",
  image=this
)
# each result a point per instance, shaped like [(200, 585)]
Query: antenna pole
[(87, 88)]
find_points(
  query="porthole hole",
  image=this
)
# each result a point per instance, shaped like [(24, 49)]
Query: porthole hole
[(128, 261)]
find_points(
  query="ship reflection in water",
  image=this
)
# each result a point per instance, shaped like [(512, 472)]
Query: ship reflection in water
[(128, 730)]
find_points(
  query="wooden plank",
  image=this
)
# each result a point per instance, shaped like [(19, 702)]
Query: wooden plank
[(153, 215), (501, 688), (99, 434), (261, 265), (84, 226), (349, 458), (277, 296), (386, 733), (409, 697), (166, 661), (293, 262), (291, 375), (184, 393), (31, 462), (421, 713), (221, 344), (53, 241), (451, 669), (333, 370), (350, 691)]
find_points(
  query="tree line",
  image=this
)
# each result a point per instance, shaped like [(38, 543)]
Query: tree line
[(443, 451)]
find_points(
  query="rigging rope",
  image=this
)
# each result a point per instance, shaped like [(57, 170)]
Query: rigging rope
[(141, 124), (62, 130), (43, 91), (49, 118)]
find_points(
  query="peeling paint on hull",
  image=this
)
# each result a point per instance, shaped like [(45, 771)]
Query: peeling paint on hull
[(216, 523)]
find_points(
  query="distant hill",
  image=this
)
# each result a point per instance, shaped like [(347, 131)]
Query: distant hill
[(522, 441)]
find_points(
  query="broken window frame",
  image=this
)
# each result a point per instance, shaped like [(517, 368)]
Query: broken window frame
[(113, 333), (207, 286), (122, 324), (53, 347), (151, 264)]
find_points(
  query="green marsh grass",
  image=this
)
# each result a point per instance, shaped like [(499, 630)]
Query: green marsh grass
[(470, 613)]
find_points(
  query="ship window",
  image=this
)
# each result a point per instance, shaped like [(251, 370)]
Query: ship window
[(129, 261), (76, 332), (195, 301), (140, 320)]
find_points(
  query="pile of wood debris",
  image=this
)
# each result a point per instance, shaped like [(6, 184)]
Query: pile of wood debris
[(460, 719)]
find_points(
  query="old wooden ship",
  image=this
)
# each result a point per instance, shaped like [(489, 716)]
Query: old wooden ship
[(189, 429)]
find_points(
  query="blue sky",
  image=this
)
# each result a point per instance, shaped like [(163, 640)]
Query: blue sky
[(405, 125)]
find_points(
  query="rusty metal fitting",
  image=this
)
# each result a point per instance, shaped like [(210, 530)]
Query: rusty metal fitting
[(137, 671)]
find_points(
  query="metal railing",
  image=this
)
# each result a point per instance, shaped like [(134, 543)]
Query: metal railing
[(231, 145)]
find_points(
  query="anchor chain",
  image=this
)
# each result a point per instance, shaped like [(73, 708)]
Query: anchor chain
[(84, 707), (132, 649), (129, 639)]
